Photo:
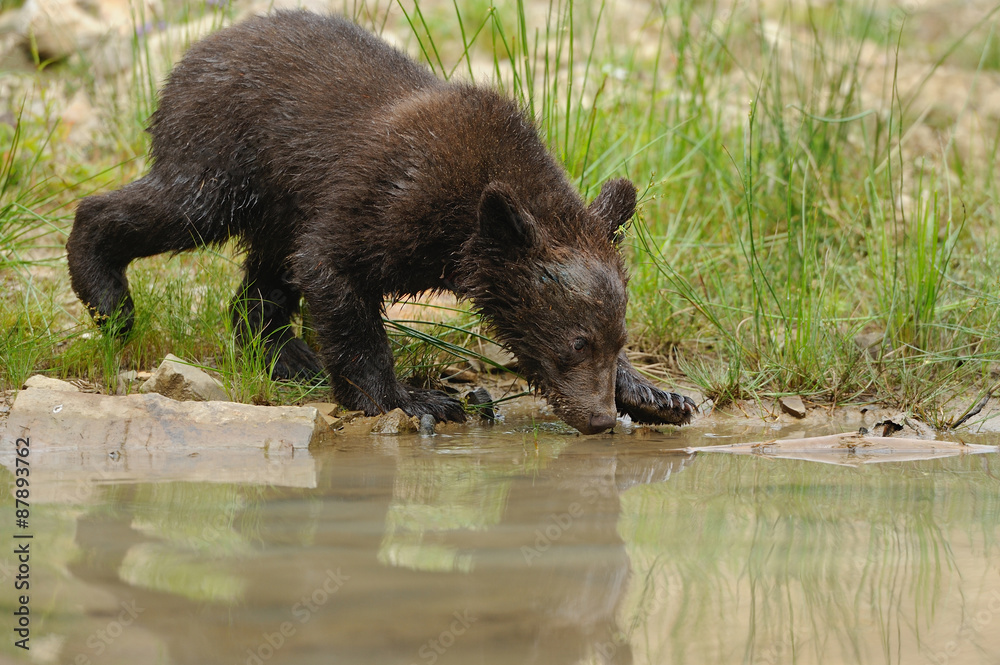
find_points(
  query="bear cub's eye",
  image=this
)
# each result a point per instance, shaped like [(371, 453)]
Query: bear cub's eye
[(579, 344)]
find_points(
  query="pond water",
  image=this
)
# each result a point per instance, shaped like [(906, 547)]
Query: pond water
[(524, 546)]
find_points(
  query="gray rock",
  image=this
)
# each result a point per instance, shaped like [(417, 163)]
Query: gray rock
[(57, 420), (48, 383), (395, 422), (793, 406), (183, 382)]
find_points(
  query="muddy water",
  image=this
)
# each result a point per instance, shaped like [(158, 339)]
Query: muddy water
[(524, 546)]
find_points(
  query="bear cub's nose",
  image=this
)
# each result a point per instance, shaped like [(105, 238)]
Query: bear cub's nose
[(602, 421)]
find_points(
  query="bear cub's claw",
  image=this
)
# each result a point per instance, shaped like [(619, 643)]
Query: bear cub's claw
[(443, 407), (662, 408)]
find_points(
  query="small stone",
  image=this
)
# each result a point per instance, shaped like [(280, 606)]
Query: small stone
[(48, 383), (327, 410), (427, 423), (181, 381), (351, 416), (125, 380), (793, 406), (395, 422)]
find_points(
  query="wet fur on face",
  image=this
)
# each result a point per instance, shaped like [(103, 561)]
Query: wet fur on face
[(559, 307)]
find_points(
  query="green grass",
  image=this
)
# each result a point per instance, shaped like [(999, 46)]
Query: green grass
[(808, 174)]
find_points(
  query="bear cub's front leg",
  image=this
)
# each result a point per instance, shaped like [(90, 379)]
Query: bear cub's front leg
[(357, 354)]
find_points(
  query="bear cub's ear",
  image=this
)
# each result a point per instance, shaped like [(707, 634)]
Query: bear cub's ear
[(615, 206), (502, 220)]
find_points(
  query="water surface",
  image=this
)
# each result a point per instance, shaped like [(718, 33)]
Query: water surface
[(531, 546)]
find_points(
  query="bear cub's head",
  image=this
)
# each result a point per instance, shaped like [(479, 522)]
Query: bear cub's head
[(555, 293)]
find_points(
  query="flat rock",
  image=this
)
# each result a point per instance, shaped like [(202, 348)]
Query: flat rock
[(178, 380), (56, 420), (395, 422), (48, 383), (793, 406)]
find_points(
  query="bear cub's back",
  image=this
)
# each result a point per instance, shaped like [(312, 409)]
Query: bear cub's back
[(274, 80)]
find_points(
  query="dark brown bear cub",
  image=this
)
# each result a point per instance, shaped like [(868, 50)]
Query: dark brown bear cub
[(350, 173)]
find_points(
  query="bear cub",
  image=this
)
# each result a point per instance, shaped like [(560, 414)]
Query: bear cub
[(350, 173)]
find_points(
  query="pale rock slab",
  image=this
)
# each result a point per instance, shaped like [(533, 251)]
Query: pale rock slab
[(57, 420), (78, 440)]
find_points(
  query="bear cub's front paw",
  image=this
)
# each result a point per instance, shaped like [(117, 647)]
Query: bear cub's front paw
[(659, 407)]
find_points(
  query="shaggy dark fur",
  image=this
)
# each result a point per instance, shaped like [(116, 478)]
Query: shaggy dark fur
[(350, 173)]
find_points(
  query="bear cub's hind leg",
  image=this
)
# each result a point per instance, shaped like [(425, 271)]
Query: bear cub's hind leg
[(109, 231)]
